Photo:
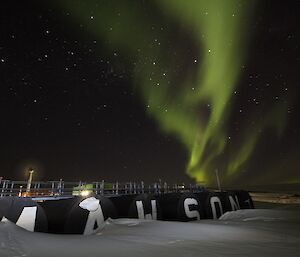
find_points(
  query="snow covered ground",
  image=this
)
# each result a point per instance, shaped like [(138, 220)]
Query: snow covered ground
[(283, 198), (241, 233)]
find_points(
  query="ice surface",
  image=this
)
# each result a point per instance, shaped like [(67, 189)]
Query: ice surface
[(241, 233)]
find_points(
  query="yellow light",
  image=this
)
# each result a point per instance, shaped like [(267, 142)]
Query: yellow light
[(85, 192)]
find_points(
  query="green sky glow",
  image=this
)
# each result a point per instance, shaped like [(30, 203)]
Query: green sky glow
[(220, 33), (221, 29)]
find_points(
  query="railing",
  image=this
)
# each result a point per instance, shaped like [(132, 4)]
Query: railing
[(63, 188)]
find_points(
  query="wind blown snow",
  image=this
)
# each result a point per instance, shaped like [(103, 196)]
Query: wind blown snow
[(239, 233)]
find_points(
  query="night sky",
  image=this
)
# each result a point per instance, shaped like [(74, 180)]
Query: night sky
[(148, 90)]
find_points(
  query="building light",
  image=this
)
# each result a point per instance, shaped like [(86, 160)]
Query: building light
[(85, 192)]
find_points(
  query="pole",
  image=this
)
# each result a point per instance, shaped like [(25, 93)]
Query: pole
[(29, 180), (218, 179), (20, 192)]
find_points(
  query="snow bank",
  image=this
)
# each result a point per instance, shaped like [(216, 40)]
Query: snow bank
[(240, 233), (260, 215)]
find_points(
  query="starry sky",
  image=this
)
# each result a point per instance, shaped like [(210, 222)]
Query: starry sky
[(147, 90)]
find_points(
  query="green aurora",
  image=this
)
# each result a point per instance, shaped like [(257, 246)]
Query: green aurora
[(195, 106)]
